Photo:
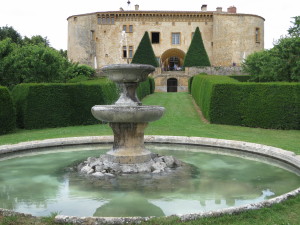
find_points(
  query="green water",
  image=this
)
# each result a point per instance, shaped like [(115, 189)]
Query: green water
[(39, 184)]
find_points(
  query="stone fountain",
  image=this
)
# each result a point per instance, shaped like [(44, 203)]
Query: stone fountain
[(128, 119)]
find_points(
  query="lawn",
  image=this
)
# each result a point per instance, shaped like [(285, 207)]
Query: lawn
[(182, 119)]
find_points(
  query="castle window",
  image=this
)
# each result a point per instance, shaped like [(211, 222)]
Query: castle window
[(124, 51), (257, 35), (175, 38), (125, 28), (155, 37), (130, 28), (92, 35), (106, 20), (130, 51)]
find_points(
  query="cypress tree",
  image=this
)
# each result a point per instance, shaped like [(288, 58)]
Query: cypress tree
[(196, 54), (144, 53)]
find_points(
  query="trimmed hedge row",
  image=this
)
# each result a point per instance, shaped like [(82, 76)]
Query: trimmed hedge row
[(144, 89), (7, 112), (58, 105), (267, 105), (241, 78), (190, 81), (152, 85)]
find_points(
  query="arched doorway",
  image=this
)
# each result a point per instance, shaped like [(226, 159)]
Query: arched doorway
[(172, 84), (172, 59)]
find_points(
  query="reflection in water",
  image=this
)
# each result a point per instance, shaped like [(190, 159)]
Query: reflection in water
[(170, 206), (39, 184), (129, 204)]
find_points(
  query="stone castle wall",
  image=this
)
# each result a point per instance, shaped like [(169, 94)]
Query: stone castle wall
[(234, 38), (227, 37), (215, 70)]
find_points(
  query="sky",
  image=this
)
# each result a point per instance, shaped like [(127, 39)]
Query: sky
[(49, 18)]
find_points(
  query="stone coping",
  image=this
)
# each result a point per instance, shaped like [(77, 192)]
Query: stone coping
[(258, 149)]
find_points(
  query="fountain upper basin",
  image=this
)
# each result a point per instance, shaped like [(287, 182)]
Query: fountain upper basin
[(127, 114), (126, 73)]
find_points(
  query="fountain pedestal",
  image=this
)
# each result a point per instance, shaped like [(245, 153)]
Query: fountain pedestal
[(128, 147), (127, 117)]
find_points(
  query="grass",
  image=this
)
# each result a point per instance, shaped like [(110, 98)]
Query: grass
[(181, 119), (28, 220)]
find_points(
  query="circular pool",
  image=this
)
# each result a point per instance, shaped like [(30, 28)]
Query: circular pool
[(222, 176)]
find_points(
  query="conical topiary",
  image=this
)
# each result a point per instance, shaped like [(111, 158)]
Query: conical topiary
[(196, 54), (144, 53)]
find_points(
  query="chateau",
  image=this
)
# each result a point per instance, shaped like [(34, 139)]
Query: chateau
[(102, 38)]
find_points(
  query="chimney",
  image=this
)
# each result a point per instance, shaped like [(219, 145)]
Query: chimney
[(231, 9), (137, 7), (219, 9), (204, 8)]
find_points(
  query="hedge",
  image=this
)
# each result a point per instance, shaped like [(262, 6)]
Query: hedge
[(152, 85), (190, 81), (58, 105), (7, 112), (267, 105), (241, 78), (144, 89)]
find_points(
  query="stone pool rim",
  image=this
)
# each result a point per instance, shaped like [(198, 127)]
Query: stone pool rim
[(258, 149)]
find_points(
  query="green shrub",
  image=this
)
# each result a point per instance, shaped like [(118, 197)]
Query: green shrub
[(196, 54), (56, 105), (152, 85), (7, 112), (143, 89), (266, 105), (78, 79), (80, 70), (144, 53), (190, 81)]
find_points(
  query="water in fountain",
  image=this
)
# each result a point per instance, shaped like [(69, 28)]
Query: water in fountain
[(37, 183)]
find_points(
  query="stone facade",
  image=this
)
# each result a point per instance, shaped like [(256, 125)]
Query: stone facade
[(97, 39)]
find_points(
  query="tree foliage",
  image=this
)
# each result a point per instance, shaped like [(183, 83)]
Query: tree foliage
[(10, 32), (144, 53), (281, 63), (33, 63), (36, 40), (196, 54), (33, 60), (294, 31)]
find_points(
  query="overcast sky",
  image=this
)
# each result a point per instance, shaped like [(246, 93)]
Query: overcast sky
[(49, 18)]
